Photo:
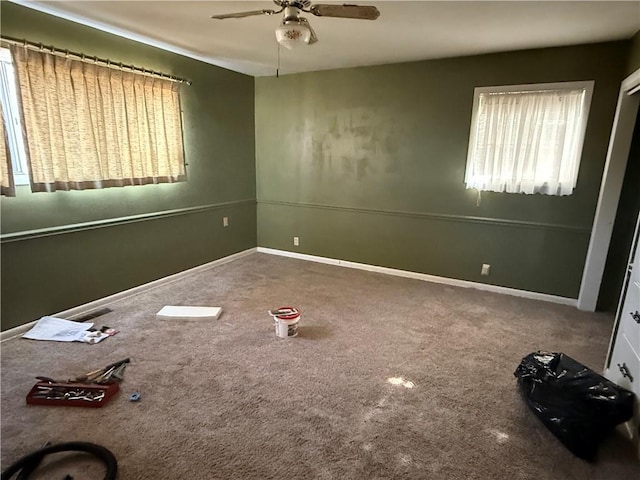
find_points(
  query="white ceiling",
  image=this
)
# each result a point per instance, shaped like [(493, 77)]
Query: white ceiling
[(405, 30)]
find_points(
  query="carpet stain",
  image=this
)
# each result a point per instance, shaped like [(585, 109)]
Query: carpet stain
[(401, 381), (500, 437)]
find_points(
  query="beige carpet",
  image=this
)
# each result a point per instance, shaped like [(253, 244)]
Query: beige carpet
[(229, 400)]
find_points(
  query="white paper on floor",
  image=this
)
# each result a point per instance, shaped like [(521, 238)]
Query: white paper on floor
[(60, 330)]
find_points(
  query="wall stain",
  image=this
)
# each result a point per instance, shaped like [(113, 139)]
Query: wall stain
[(355, 143), (363, 167)]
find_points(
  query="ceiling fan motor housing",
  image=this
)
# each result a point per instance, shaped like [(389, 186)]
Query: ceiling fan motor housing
[(291, 14), (300, 4)]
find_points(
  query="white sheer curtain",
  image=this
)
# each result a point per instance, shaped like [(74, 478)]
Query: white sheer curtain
[(526, 141), (89, 126), (7, 186)]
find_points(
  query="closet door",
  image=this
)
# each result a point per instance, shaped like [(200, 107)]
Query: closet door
[(624, 353)]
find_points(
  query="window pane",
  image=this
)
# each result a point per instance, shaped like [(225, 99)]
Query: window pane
[(9, 99), (527, 140)]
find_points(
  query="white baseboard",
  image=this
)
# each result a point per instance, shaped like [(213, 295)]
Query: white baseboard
[(101, 302), (423, 276)]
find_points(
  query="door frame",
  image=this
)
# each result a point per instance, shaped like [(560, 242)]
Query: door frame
[(610, 188)]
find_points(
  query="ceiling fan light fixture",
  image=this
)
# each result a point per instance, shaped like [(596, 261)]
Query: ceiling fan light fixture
[(293, 33)]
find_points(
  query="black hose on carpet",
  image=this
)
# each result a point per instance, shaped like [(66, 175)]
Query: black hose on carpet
[(27, 464)]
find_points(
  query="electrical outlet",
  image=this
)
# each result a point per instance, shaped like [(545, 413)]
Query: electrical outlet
[(225, 221), (296, 241), (486, 268)]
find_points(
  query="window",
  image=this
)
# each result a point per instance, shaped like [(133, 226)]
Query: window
[(528, 138), (88, 125), (12, 123)]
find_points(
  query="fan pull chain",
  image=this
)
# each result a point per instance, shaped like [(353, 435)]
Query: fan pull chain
[(278, 67)]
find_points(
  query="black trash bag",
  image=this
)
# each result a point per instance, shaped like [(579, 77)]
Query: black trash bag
[(579, 406)]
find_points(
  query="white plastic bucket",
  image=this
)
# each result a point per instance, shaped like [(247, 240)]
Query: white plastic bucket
[(287, 325)]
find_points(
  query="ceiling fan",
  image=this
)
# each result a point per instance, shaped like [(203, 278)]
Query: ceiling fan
[(295, 30)]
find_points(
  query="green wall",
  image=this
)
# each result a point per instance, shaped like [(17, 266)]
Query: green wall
[(367, 165), (53, 271)]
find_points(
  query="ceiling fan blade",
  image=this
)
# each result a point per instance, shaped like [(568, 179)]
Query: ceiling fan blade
[(361, 12), (244, 14)]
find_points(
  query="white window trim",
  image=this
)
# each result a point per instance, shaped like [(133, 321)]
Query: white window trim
[(586, 85), (14, 129)]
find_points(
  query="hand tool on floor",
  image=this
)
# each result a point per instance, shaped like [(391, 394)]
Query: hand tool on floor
[(106, 374)]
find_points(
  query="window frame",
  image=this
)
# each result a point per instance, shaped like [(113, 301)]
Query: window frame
[(587, 85), (13, 124)]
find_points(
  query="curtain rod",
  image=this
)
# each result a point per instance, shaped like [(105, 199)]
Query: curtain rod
[(95, 60)]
